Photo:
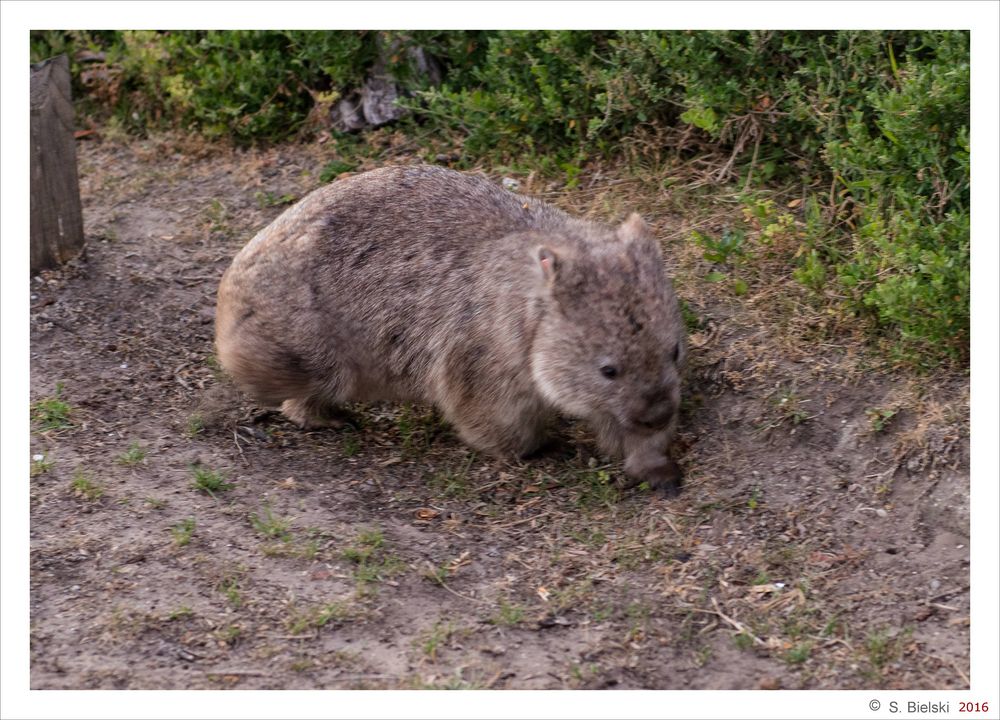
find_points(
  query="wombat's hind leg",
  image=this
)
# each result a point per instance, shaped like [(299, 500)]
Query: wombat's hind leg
[(519, 437), (311, 412)]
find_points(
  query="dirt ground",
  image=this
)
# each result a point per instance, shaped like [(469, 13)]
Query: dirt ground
[(182, 537)]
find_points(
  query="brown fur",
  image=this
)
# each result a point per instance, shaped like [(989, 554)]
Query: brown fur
[(424, 284)]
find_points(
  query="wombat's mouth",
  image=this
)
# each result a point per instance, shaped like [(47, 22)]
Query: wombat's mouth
[(654, 418)]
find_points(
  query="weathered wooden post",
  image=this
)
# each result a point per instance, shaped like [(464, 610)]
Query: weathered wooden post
[(56, 215)]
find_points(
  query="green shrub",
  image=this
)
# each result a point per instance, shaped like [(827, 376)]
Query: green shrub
[(878, 119)]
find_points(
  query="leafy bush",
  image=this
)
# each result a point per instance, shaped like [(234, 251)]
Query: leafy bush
[(873, 124)]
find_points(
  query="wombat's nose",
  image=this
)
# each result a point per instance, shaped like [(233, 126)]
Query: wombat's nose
[(655, 415)]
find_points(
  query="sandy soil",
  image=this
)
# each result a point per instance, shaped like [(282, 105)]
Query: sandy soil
[(182, 537)]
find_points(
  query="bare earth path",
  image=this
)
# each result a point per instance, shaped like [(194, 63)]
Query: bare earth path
[(821, 541)]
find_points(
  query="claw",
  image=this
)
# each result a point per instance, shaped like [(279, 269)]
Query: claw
[(665, 480)]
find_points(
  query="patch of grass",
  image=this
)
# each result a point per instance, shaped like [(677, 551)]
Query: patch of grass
[(183, 531), (209, 481), (268, 199), (787, 408), (156, 503), (882, 647), (133, 456), (218, 216), (372, 564), (702, 655), (879, 418), (509, 614), (334, 168), (601, 612), (596, 490), (230, 587), (40, 464), (743, 641), (52, 413), (195, 425), (86, 488), (317, 617), (270, 525), (453, 482), (180, 613), (350, 444), (418, 427), (798, 653), (433, 639), (230, 634)]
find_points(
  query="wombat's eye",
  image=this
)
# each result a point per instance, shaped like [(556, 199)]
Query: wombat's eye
[(609, 371)]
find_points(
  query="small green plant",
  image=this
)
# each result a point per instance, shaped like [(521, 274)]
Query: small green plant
[(882, 647), (86, 488), (596, 489), (434, 638), (727, 248), (183, 531), (879, 418), (788, 408), (182, 612), (372, 563), (743, 641), (156, 503), (133, 456), (195, 425), (417, 429), (270, 199), (350, 444), (230, 587), (270, 525), (40, 464), (218, 216), (453, 482), (52, 413), (508, 614), (209, 481), (754, 500), (334, 168), (798, 653), (317, 617), (230, 634)]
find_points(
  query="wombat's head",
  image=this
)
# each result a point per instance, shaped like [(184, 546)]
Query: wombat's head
[(611, 342)]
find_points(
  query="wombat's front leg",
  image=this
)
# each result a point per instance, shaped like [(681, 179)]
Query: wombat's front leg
[(647, 461), (312, 413)]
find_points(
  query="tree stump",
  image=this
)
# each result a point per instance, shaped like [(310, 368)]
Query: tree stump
[(56, 214)]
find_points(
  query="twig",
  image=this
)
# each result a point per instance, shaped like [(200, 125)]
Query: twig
[(522, 520), (735, 623), (443, 584), (946, 593)]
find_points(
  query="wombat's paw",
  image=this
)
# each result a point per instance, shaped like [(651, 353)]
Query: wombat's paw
[(665, 480), (306, 417)]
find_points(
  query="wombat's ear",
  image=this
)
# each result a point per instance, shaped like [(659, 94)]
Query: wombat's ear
[(548, 262), (635, 232), (634, 228)]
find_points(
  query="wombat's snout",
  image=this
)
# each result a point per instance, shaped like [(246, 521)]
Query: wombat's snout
[(656, 411)]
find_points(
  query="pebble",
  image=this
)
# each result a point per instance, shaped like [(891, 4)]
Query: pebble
[(75, 588)]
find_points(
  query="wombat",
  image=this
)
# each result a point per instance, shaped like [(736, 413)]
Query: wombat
[(425, 284)]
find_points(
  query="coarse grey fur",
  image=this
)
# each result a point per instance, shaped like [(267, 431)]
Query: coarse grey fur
[(425, 284)]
